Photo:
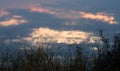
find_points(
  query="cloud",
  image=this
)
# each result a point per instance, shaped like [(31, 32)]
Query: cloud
[(73, 14), (14, 20), (42, 10), (4, 13), (100, 17), (9, 41), (16, 16), (47, 35), (71, 23), (60, 13)]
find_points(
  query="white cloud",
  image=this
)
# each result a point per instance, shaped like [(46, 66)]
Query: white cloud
[(72, 14), (14, 20), (47, 35)]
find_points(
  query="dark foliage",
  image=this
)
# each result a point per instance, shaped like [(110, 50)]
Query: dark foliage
[(109, 55), (45, 60)]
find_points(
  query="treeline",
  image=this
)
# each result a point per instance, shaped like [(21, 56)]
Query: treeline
[(108, 59)]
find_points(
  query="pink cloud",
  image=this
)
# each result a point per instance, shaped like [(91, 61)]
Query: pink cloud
[(15, 20), (4, 13), (72, 14), (42, 10), (61, 13), (100, 17)]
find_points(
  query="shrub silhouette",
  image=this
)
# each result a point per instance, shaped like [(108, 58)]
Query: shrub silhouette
[(46, 60), (109, 56)]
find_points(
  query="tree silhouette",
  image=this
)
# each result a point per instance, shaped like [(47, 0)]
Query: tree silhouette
[(108, 59)]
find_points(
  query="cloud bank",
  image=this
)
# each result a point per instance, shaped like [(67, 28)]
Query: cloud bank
[(72, 14), (47, 35)]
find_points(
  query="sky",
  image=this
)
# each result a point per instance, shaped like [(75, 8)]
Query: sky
[(58, 21)]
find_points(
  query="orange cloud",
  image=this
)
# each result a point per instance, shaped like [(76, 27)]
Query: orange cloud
[(72, 14), (41, 35), (4, 13), (15, 20)]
